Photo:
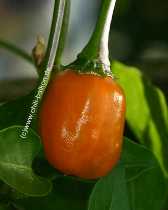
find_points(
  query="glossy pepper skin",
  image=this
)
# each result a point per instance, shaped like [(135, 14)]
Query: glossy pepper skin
[(81, 123)]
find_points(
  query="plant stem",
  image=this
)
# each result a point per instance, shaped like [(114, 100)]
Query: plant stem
[(97, 47), (54, 36), (15, 50), (63, 36)]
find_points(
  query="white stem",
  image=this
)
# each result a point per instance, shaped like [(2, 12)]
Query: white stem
[(104, 50), (57, 33)]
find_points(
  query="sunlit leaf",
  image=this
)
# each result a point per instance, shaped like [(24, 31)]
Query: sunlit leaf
[(147, 113)]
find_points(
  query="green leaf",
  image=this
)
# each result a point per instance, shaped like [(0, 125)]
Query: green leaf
[(147, 191), (66, 195), (136, 159), (137, 155), (136, 183), (147, 113), (16, 157), (110, 192), (145, 181)]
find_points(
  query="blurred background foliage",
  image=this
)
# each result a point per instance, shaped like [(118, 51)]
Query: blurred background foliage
[(139, 37)]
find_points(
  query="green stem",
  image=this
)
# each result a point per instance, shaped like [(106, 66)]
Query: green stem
[(63, 36), (15, 50), (97, 47)]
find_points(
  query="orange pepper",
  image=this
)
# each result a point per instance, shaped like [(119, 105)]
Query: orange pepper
[(81, 123)]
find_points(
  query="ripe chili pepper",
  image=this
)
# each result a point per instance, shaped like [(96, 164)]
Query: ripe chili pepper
[(81, 119), (81, 123)]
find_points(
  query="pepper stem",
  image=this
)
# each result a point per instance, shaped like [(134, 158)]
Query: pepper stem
[(63, 35), (97, 47)]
